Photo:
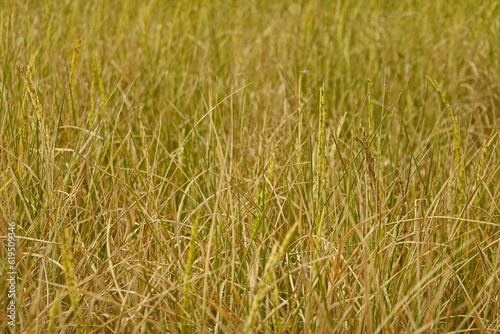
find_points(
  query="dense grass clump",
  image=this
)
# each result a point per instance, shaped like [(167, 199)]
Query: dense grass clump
[(251, 166)]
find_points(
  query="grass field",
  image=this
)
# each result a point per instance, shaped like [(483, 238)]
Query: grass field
[(251, 166)]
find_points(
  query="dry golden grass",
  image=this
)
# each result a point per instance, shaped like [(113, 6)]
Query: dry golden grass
[(259, 167)]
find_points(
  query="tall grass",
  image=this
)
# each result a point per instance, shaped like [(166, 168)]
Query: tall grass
[(198, 166)]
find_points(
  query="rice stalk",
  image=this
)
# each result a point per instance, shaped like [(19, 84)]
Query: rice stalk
[(457, 149), (320, 169), (277, 252), (93, 90), (298, 143), (72, 73), (69, 275), (145, 150)]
